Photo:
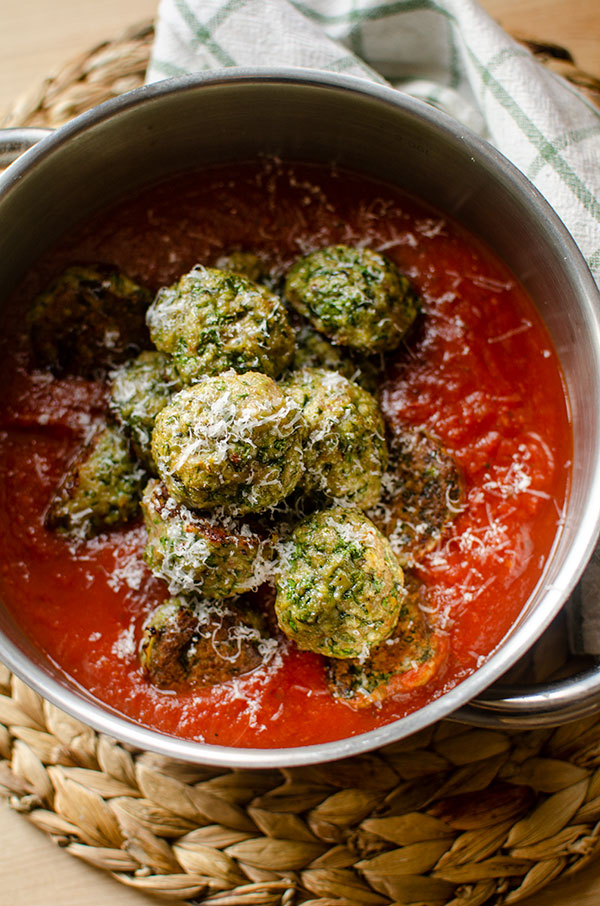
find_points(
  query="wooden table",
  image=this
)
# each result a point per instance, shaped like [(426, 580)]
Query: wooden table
[(36, 37)]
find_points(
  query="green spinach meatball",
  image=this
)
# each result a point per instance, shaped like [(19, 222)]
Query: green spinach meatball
[(213, 320), (101, 489), (89, 319), (345, 451), (232, 440), (139, 390), (340, 590), (217, 557), (356, 297)]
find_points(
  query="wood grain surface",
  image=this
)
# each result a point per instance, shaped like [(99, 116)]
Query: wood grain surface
[(36, 38)]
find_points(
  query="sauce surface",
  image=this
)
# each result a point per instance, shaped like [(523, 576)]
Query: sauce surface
[(480, 374)]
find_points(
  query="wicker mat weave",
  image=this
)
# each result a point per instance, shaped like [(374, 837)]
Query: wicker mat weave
[(450, 817), (453, 815)]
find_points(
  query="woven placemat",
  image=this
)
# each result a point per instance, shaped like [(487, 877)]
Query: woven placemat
[(453, 816)]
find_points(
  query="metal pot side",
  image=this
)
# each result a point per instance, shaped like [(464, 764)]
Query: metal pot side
[(177, 125)]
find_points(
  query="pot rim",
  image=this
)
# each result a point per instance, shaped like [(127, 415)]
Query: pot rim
[(105, 719)]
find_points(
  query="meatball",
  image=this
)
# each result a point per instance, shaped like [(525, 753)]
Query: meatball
[(88, 320), (214, 557), (408, 659), (101, 489), (356, 297), (139, 390), (345, 452), (423, 491), (212, 320), (188, 642), (232, 440), (340, 589), (313, 350)]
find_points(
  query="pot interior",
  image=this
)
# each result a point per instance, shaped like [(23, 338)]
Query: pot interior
[(164, 129)]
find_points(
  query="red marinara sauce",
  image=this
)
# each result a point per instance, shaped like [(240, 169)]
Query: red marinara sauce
[(480, 374)]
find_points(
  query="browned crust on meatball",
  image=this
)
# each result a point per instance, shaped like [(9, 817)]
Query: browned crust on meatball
[(423, 491), (187, 651)]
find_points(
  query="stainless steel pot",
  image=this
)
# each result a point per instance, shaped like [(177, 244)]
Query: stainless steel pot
[(236, 115)]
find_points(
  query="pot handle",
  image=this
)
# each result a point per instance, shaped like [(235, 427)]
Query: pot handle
[(529, 707), (13, 142)]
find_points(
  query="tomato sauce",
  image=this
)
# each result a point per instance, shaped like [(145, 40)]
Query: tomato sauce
[(480, 374)]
